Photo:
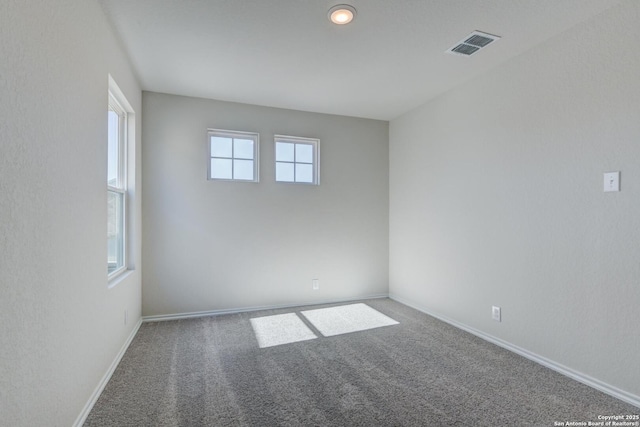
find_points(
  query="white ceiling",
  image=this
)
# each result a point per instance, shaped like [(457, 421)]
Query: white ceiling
[(285, 53)]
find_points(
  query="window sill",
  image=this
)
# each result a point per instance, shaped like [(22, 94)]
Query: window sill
[(117, 279)]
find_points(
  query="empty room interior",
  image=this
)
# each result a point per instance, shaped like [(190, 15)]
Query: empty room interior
[(373, 213)]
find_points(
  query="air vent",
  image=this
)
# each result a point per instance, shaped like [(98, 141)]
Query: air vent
[(472, 43), (465, 49)]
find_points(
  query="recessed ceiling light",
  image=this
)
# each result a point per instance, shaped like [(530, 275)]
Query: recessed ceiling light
[(342, 14)]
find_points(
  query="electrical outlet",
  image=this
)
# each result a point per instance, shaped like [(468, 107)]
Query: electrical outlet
[(495, 314), (315, 284)]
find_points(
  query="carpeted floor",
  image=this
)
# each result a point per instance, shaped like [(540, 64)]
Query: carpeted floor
[(421, 372)]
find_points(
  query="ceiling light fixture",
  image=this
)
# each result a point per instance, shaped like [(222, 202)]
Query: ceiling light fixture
[(342, 14)]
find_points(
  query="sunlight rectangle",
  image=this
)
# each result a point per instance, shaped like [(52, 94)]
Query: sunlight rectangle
[(280, 329), (347, 318)]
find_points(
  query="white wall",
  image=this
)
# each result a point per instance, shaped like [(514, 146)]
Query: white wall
[(497, 199), (60, 326), (211, 245)]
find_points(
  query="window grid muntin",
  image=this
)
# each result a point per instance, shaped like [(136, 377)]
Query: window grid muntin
[(234, 135), (315, 161), (233, 157), (296, 161)]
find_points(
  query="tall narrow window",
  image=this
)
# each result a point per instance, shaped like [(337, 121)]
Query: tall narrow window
[(233, 155), (297, 159), (116, 184)]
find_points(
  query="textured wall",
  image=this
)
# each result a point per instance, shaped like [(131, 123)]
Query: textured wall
[(60, 326), (497, 199), (219, 245)]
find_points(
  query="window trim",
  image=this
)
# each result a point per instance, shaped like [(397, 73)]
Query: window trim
[(119, 104), (314, 142), (224, 133)]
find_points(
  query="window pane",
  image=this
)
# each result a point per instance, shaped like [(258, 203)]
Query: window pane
[(304, 173), (243, 169), (243, 148), (304, 153), (220, 147), (113, 146), (221, 168), (284, 172), (284, 152), (234, 155), (115, 231)]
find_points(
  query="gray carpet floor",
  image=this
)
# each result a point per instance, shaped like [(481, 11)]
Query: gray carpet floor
[(210, 371)]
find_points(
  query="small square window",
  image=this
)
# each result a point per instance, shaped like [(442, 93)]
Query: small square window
[(233, 155), (297, 159)]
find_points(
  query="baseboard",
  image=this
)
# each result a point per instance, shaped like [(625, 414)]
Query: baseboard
[(564, 370), (179, 316), (105, 379)]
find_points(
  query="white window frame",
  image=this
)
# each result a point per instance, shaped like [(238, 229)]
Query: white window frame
[(255, 137), (119, 104), (314, 142)]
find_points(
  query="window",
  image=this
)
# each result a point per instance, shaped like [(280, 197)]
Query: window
[(233, 155), (117, 132), (297, 159)]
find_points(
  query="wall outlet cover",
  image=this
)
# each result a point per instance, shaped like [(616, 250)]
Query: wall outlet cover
[(495, 314)]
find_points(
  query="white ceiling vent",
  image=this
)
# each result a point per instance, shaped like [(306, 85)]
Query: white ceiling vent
[(472, 43)]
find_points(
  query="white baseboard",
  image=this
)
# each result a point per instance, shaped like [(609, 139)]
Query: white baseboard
[(105, 379), (564, 370), (178, 316)]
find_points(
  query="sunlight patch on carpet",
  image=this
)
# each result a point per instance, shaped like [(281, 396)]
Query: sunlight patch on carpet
[(346, 318), (280, 329)]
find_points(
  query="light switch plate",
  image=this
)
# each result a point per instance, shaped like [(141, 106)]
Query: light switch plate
[(611, 181)]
